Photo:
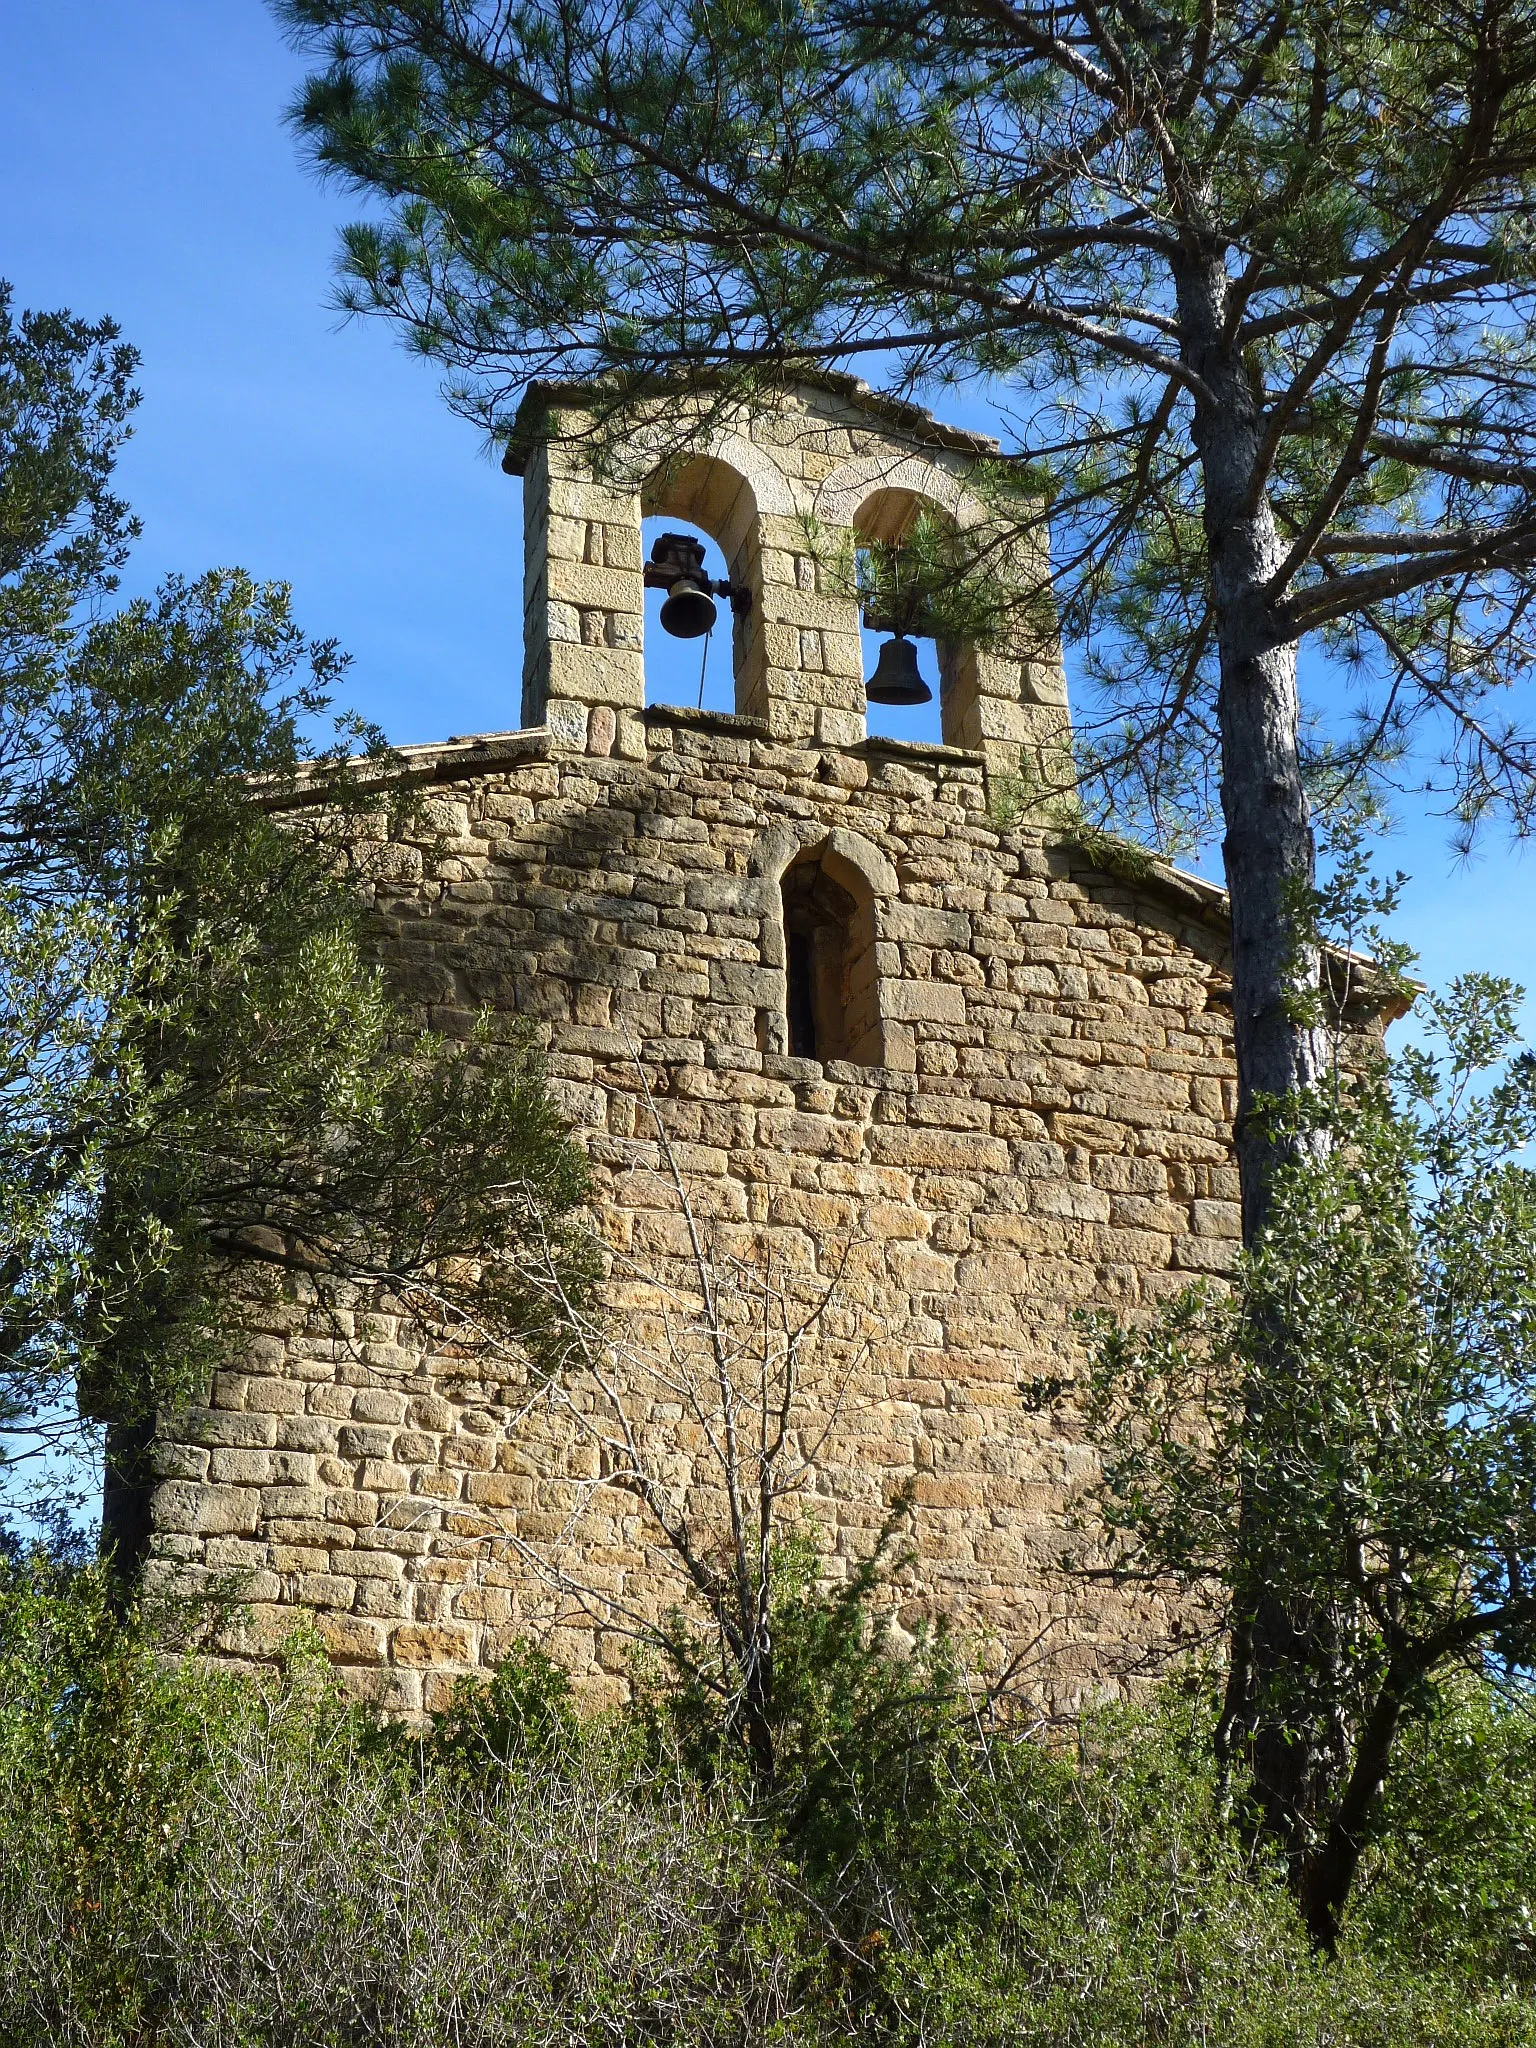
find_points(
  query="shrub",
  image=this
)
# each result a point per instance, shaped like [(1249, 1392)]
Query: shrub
[(188, 1856)]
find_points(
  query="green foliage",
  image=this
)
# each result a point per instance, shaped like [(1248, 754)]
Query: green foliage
[(206, 1089), (1447, 1882), (103, 1758), (860, 1737), (1340, 1450), (936, 581), (188, 1854), (522, 1715), (66, 396), (1022, 799)]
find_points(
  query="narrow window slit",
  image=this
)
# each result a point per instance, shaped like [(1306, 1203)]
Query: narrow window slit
[(820, 923), (802, 1008)]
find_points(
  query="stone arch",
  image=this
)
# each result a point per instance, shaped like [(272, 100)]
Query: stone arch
[(1007, 703), (895, 478), (725, 490), (888, 513), (826, 900)]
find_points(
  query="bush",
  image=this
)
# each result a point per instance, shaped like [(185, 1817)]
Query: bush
[(189, 1857), (1451, 1883)]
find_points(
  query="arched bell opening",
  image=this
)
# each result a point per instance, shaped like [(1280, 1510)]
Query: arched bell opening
[(705, 501), (696, 670), (832, 1002), (887, 516)]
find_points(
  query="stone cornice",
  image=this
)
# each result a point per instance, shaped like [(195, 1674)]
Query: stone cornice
[(545, 394)]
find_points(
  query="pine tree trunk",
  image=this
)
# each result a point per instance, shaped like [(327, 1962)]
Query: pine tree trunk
[(128, 1489), (1270, 857), (1268, 848)]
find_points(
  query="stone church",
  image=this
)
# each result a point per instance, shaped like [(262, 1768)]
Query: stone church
[(828, 996)]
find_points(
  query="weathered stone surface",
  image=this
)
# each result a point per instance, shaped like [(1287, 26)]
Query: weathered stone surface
[(1032, 1117), (1023, 1158), (192, 1509)]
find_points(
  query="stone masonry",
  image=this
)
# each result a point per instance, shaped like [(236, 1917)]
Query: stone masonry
[(1019, 1107)]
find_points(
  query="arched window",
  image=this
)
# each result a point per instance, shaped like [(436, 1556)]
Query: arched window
[(888, 515), (688, 672), (832, 1002), (818, 916), (714, 500)]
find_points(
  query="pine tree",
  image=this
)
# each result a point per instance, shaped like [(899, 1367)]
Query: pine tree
[(1256, 279)]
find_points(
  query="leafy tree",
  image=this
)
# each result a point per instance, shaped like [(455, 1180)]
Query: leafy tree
[(1372, 1508), (208, 1091)]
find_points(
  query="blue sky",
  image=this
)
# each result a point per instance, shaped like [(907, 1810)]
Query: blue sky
[(148, 175)]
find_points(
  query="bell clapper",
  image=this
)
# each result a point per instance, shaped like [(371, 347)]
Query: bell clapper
[(703, 665)]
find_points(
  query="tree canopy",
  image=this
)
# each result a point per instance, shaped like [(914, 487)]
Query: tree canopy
[(1369, 1512), (208, 1089)]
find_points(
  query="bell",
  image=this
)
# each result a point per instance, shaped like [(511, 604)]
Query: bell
[(688, 611), (896, 680)]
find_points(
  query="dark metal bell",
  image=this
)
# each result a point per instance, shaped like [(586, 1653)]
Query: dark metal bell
[(688, 611), (896, 680)]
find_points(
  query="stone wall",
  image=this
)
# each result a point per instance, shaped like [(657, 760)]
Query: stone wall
[(1040, 1121)]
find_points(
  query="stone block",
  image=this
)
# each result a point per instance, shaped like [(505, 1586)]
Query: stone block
[(350, 1639), (198, 1509), (932, 1002), (271, 1394), (293, 1503), (596, 675), (382, 1475), (313, 1433), (828, 1137), (380, 1404), (738, 981), (952, 1151), (1217, 1219), (389, 1692), (590, 584), (367, 1440), (427, 1646), (382, 1599), (229, 1429), (180, 1461), (325, 1590), (240, 1468), (924, 926)]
